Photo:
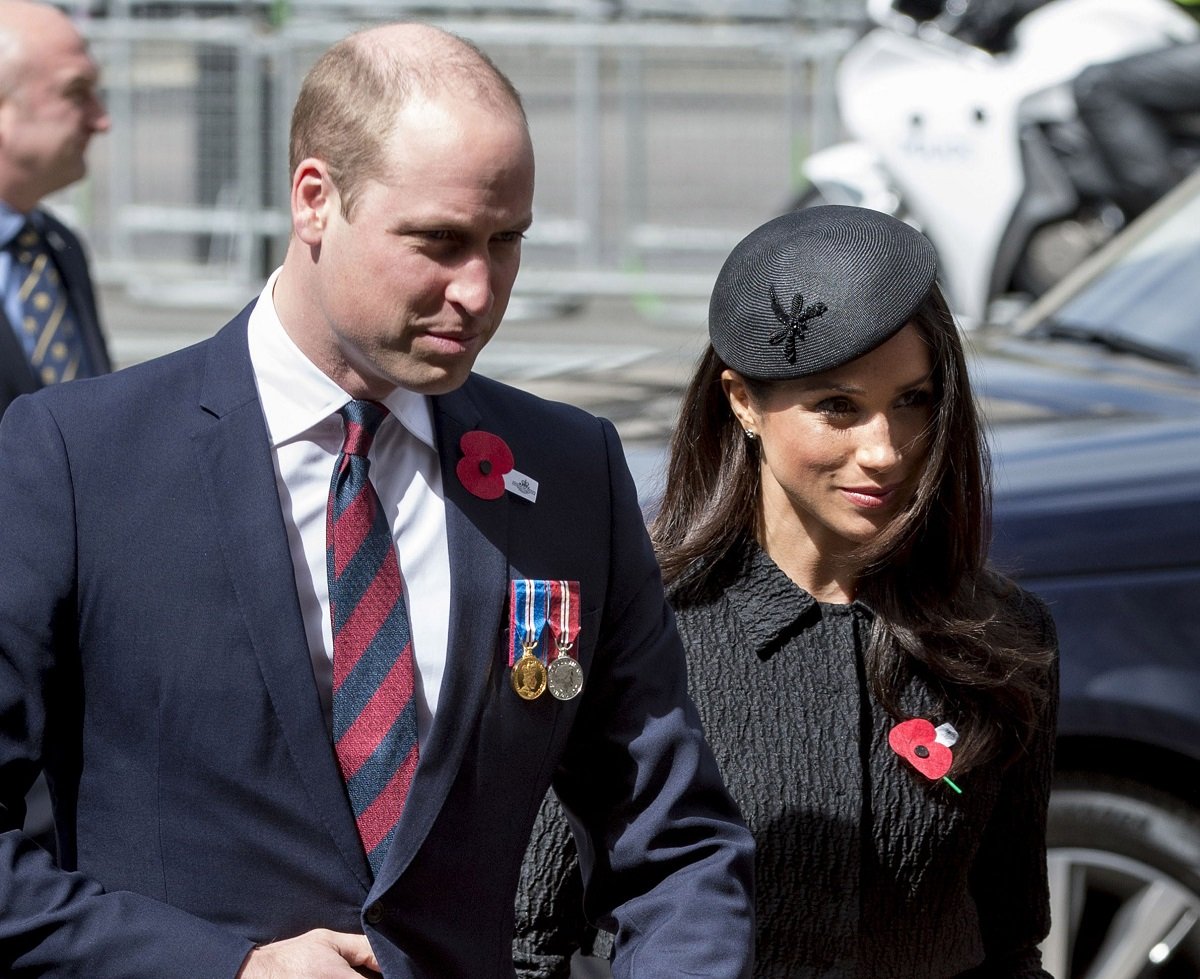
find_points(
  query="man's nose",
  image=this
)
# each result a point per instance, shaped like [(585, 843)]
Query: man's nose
[(471, 287), (101, 121)]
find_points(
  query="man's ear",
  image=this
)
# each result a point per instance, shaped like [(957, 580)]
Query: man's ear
[(314, 199)]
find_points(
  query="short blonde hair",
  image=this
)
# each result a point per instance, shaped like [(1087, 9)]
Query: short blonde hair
[(349, 98)]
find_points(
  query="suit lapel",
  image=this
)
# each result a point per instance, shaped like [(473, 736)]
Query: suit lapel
[(14, 365), (237, 474), (477, 535), (239, 478), (73, 269)]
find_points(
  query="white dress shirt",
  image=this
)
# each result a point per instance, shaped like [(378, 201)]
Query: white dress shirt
[(300, 404)]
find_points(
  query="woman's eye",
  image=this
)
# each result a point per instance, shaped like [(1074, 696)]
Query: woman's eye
[(835, 406), (919, 398)]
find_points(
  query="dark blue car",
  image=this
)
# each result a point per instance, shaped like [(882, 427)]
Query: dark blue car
[(1094, 406)]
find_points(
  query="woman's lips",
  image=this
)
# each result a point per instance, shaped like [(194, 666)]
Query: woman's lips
[(869, 497)]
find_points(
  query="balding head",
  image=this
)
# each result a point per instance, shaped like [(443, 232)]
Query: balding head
[(348, 103), (25, 28), (49, 108)]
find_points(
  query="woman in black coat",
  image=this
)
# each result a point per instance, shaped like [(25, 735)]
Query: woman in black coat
[(882, 704)]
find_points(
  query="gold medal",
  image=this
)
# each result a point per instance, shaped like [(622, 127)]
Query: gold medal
[(529, 676), (527, 608), (565, 677)]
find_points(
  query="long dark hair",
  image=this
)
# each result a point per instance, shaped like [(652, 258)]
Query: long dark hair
[(940, 612)]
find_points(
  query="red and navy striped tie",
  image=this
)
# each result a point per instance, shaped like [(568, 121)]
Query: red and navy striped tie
[(374, 714)]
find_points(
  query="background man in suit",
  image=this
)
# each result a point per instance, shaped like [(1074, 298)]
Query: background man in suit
[(49, 111), (187, 602)]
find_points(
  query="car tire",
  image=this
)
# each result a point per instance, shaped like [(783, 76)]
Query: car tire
[(1124, 864)]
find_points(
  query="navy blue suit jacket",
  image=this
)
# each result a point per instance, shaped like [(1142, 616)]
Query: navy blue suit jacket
[(153, 658), (16, 376)]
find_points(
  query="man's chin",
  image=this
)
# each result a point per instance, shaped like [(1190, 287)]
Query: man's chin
[(434, 380)]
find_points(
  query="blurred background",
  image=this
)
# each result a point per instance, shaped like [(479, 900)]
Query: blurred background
[(664, 131)]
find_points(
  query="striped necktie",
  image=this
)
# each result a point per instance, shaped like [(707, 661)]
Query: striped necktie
[(49, 331), (374, 713)]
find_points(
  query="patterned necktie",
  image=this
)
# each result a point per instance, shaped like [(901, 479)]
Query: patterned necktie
[(48, 329), (374, 713)]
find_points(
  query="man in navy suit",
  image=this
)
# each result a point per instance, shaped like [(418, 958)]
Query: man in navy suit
[(49, 110), (169, 545)]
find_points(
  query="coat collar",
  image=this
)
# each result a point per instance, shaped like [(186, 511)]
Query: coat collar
[(769, 605)]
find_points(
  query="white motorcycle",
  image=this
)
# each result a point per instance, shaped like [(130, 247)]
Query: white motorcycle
[(983, 151)]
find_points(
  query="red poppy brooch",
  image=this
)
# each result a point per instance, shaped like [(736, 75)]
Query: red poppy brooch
[(925, 747), (486, 468)]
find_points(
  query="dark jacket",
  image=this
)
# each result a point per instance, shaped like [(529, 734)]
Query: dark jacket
[(16, 376), (153, 658), (864, 868)]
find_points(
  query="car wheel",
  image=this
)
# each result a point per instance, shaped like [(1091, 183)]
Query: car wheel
[(1124, 864)]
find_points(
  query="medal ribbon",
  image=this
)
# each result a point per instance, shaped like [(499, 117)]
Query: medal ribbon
[(564, 616), (528, 607)]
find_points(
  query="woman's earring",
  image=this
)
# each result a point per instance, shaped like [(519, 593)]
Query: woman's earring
[(750, 436)]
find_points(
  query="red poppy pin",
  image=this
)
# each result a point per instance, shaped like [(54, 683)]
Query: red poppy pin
[(485, 462), (925, 747)]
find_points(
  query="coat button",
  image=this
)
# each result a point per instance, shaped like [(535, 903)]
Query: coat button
[(374, 913)]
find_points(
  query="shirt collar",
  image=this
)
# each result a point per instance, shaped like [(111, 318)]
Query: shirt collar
[(11, 222), (296, 396)]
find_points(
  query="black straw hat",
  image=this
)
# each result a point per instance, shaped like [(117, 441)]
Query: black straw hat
[(816, 288)]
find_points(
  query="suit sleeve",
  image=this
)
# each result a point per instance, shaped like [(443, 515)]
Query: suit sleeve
[(667, 862), (53, 922), (1009, 879)]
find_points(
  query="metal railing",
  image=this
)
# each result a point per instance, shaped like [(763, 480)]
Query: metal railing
[(662, 136)]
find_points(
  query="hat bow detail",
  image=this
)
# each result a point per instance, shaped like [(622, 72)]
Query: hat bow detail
[(793, 323)]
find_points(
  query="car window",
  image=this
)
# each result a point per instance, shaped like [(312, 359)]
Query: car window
[(1151, 291)]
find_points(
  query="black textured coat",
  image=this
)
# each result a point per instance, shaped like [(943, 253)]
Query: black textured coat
[(864, 868)]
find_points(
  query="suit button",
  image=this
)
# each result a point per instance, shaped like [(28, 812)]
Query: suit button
[(374, 913)]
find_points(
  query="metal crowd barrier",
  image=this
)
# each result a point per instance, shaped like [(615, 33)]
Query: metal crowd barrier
[(660, 141)]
